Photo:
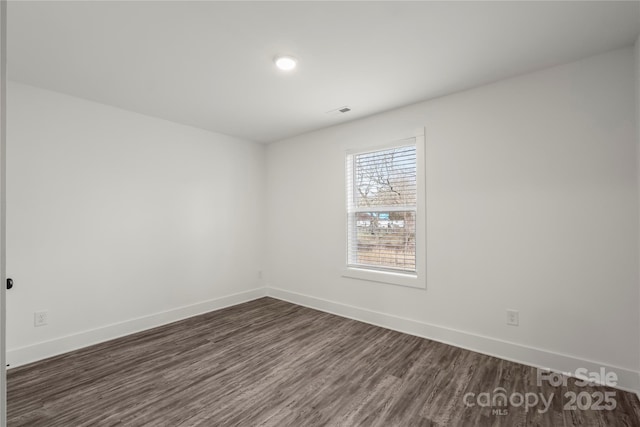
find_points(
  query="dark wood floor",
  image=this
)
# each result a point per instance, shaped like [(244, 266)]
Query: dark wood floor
[(272, 363)]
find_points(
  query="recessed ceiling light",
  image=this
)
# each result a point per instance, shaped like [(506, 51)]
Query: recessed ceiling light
[(285, 63)]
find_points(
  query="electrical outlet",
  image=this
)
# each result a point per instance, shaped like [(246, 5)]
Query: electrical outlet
[(40, 318), (513, 317), (260, 274)]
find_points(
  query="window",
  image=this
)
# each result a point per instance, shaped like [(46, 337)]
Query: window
[(384, 206)]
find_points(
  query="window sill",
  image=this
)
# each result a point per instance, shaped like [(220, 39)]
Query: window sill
[(400, 279)]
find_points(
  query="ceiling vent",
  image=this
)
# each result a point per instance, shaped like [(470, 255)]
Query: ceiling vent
[(338, 111)]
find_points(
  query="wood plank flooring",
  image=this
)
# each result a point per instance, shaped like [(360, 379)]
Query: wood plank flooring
[(271, 363)]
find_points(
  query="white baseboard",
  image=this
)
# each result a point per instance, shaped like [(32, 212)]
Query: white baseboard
[(628, 380), (23, 355)]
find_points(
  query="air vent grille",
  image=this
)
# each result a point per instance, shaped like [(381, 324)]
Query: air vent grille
[(339, 111)]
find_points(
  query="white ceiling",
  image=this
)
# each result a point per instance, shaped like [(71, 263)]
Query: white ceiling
[(209, 64)]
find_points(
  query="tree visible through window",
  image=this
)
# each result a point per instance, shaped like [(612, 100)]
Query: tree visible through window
[(382, 199)]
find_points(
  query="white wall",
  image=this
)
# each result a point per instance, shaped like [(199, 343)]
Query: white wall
[(637, 78), (118, 221), (532, 205), (3, 169)]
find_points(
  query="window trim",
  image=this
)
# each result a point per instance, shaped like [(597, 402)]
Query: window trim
[(413, 280)]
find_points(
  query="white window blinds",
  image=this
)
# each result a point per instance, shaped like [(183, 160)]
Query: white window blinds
[(381, 208)]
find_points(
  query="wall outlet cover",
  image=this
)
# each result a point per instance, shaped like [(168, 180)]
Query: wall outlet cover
[(513, 317), (40, 318)]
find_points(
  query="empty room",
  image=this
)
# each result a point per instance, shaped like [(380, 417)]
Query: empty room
[(322, 213)]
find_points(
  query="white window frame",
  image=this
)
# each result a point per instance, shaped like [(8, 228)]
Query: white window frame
[(419, 278)]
